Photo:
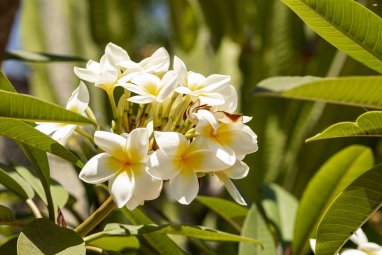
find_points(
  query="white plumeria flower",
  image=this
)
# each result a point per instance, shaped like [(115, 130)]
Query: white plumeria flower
[(238, 170), (150, 88), (158, 63), (364, 246), (124, 165), (78, 103), (211, 90), (232, 141), (106, 73), (179, 161)]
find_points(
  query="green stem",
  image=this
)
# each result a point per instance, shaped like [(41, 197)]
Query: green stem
[(36, 212), (96, 217), (85, 134)]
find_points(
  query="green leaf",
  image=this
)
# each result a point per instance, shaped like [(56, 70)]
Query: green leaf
[(256, 227), (349, 211), (331, 179), (9, 247), (184, 23), (16, 184), (233, 213), (280, 208), (42, 236), (161, 243), (30, 56), (5, 84), (29, 108), (26, 134), (362, 91), (347, 25), (367, 124), (59, 195), (115, 243), (6, 214), (200, 232)]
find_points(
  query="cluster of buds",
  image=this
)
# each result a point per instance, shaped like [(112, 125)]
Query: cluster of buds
[(169, 125)]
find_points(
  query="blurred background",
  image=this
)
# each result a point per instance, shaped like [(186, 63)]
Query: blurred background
[(248, 39)]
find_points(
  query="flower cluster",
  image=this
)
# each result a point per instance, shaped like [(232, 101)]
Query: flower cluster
[(170, 125)]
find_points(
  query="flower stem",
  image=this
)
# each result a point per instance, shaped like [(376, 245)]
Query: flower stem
[(96, 217), (36, 212), (85, 134)]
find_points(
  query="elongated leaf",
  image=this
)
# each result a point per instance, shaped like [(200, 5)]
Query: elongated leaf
[(161, 243), (16, 184), (347, 25), (280, 208), (26, 107), (26, 134), (368, 124), (200, 232), (256, 227), (5, 84), (363, 91), (184, 23), (349, 211), (42, 236), (59, 195), (233, 213), (116, 243), (331, 179), (6, 214), (30, 56)]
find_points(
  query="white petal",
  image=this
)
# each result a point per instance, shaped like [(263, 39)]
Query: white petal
[(109, 76), (203, 116), (173, 144), (223, 155), (179, 65), (142, 99), (145, 78), (205, 161), (86, 74), (93, 66), (238, 171), (184, 187), (134, 202), (79, 99), (232, 190), (183, 90), (111, 143), (353, 252), (63, 133), (312, 243), (137, 145), (100, 168), (168, 84), (215, 82), (359, 237), (195, 81), (49, 128), (158, 63), (211, 99), (121, 187), (240, 138), (146, 187), (133, 88), (116, 53), (161, 166)]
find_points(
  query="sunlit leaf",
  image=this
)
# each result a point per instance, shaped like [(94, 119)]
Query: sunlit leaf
[(30, 56), (42, 236), (116, 243), (161, 243), (363, 91), (331, 179), (200, 232), (347, 25), (59, 194), (256, 227), (368, 124), (349, 211), (26, 107), (280, 208), (233, 213), (16, 184), (26, 134)]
